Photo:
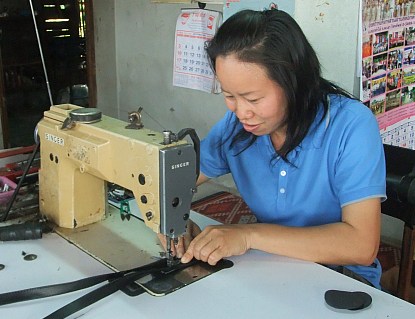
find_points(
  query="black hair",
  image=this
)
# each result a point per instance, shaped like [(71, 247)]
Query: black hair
[(274, 40)]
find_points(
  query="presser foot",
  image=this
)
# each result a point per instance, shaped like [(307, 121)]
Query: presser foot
[(172, 261)]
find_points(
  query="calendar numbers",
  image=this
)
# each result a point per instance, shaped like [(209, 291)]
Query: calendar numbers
[(401, 135), (192, 59)]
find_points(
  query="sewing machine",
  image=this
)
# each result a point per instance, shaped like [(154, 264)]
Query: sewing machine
[(81, 150)]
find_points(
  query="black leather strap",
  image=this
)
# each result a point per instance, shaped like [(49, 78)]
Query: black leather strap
[(59, 289), (97, 294), (116, 281), (115, 285)]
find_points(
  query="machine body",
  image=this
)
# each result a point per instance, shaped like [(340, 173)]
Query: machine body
[(76, 164)]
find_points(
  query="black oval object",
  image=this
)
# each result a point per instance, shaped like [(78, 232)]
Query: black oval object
[(350, 300)]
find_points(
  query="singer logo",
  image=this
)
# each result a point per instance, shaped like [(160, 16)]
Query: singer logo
[(54, 139), (180, 165)]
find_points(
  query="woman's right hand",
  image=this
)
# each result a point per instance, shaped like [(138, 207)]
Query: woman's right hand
[(192, 230)]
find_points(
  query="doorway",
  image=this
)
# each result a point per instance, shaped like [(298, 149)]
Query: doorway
[(65, 31)]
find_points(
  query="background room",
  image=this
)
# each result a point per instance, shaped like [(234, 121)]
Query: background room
[(118, 56)]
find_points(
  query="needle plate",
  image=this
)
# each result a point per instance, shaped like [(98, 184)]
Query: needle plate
[(163, 283)]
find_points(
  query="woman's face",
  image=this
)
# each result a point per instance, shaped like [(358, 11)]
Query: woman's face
[(259, 103)]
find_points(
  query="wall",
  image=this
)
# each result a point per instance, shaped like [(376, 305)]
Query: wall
[(134, 52), (332, 29), (134, 58), (105, 57)]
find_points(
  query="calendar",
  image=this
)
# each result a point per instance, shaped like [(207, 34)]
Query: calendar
[(191, 65), (400, 134)]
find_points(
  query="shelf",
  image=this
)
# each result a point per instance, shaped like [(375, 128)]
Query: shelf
[(21, 64)]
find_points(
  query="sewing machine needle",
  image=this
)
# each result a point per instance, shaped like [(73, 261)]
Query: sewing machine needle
[(169, 252)]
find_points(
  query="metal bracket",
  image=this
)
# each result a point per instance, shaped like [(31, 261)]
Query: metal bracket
[(135, 120)]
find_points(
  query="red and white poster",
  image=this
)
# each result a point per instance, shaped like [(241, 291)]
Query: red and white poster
[(388, 67)]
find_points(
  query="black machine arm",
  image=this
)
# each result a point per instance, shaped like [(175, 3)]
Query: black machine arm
[(400, 184)]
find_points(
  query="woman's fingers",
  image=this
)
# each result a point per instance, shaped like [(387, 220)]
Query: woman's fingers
[(178, 249), (217, 242), (202, 247)]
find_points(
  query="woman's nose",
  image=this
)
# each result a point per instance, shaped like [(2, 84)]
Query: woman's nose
[(243, 111)]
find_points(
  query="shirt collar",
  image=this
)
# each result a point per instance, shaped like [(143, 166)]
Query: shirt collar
[(315, 135)]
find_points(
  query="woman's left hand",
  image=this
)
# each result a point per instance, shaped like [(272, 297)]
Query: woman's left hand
[(217, 242)]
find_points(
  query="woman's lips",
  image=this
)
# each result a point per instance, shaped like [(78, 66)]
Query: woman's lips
[(250, 128)]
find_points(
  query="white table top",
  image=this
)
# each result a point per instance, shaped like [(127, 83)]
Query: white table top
[(258, 285)]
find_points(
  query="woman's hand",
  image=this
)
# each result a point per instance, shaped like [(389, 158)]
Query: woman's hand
[(217, 242), (192, 230)]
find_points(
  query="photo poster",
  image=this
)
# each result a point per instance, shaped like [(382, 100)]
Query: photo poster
[(388, 67), (191, 68)]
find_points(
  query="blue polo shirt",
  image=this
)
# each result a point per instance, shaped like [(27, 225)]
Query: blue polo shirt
[(339, 162)]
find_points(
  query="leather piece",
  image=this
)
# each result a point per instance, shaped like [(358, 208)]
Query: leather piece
[(350, 300)]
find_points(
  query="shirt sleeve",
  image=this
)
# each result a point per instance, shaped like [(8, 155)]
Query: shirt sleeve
[(213, 158), (360, 171)]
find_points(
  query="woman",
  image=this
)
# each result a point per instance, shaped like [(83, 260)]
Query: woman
[(306, 157)]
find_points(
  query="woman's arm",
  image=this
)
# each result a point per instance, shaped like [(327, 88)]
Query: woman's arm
[(201, 179), (355, 240)]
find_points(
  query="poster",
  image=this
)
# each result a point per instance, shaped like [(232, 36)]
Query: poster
[(388, 67), (191, 66)]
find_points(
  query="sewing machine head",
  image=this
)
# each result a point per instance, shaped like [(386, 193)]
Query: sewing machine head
[(82, 150)]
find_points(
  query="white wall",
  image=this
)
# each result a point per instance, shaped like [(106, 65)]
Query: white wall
[(332, 29), (105, 57)]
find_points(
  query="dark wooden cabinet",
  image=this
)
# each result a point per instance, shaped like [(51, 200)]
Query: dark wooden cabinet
[(24, 86)]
